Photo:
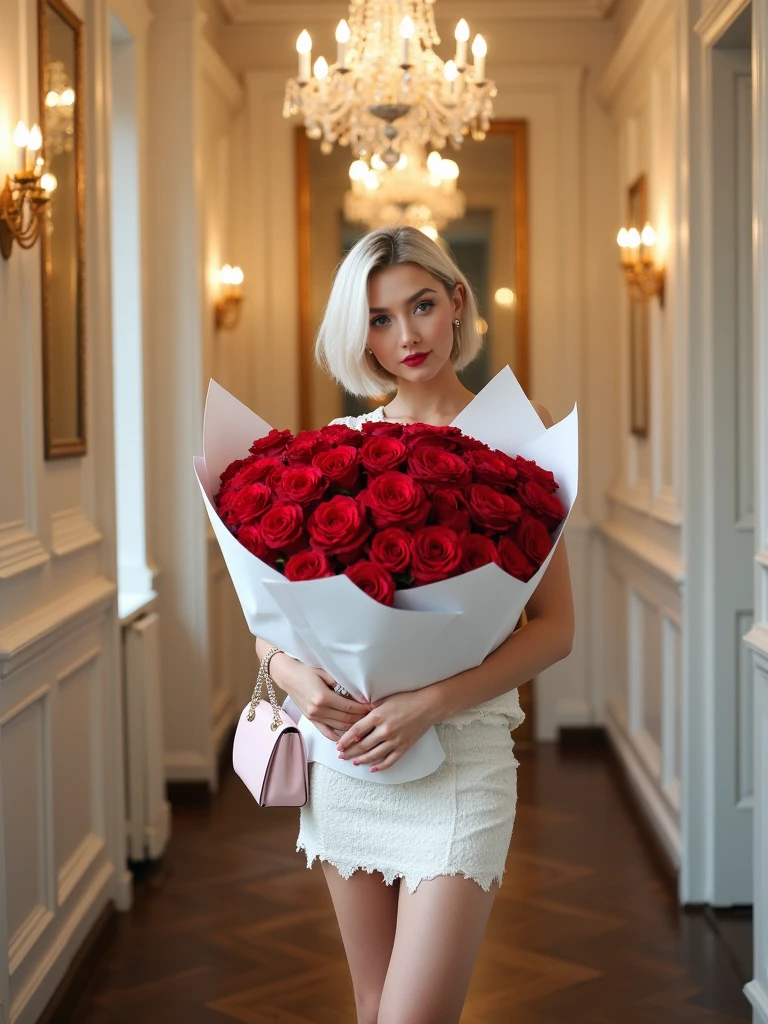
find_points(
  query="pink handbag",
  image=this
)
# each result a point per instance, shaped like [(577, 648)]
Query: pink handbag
[(269, 753)]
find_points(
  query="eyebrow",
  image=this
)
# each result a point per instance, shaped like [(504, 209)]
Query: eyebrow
[(379, 309)]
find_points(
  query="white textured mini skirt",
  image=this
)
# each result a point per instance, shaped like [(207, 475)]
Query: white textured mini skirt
[(458, 820)]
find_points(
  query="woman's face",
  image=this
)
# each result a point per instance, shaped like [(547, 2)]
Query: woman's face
[(410, 320)]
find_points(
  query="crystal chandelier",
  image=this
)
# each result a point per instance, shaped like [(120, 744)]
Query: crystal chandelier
[(59, 110), (417, 193), (388, 86)]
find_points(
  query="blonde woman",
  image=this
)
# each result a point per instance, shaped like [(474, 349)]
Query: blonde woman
[(413, 869)]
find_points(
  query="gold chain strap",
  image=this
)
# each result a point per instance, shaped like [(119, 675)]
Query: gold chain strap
[(256, 696)]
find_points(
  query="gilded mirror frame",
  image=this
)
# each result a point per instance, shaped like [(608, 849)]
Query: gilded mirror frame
[(518, 172), (63, 447)]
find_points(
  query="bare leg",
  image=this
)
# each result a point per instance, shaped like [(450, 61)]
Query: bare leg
[(440, 929), (366, 909)]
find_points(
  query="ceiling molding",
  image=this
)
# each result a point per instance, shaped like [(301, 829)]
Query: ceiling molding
[(636, 42), (269, 12), (718, 18)]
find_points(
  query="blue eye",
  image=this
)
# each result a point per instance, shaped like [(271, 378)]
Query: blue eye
[(374, 322), (427, 302)]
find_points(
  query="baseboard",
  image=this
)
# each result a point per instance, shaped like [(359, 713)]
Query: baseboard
[(758, 997), (75, 983), (188, 794)]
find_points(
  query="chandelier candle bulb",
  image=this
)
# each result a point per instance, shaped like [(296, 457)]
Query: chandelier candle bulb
[(462, 36), (479, 50), (406, 31), (21, 140), (304, 50), (321, 69), (342, 38)]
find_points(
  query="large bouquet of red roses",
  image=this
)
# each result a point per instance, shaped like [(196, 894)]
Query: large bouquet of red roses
[(450, 528), (391, 506)]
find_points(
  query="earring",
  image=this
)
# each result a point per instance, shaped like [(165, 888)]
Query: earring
[(457, 323)]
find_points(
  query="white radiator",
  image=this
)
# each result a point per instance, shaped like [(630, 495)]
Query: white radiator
[(147, 810)]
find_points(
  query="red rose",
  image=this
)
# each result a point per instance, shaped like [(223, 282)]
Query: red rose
[(233, 468), (282, 527), (426, 435), (273, 443), (306, 444), (450, 509), (341, 465), (248, 504), (308, 565), (491, 510), (382, 454), (373, 579), (436, 466), (340, 433), (476, 551), (251, 538), (267, 470), (514, 561), (493, 468), (532, 537), (339, 527), (527, 470), (543, 503), (436, 554), (301, 484), (391, 549), (395, 500), (471, 444), (381, 428)]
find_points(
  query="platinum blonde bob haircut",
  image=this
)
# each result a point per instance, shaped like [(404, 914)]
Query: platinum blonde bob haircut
[(341, 344)]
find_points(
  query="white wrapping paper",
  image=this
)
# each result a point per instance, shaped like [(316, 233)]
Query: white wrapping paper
[(434, 631)]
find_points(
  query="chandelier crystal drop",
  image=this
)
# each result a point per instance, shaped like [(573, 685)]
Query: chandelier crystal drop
[(388, 87), (417, 193)]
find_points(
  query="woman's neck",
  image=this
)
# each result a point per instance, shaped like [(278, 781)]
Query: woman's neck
[(438, 401)]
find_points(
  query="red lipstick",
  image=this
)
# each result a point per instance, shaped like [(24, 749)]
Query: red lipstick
[(417, 359)]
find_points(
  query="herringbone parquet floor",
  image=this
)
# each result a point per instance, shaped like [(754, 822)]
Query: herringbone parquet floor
[(584, 931)]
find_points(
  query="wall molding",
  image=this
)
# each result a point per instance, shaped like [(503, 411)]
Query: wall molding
[(253, 11), (662, 562), (718, 18), (757, 640), (662, 508), (72, 530), (637, 42), (20, 550), (220, 76), (25, 938), (646, 791), (35, 634), (78, 863)]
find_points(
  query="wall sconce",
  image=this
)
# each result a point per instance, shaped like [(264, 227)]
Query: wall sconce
[(644, 278), (26, 193), (230, 298)]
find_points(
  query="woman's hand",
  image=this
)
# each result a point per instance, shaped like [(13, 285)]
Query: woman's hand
[(311, 689), (388, 731)]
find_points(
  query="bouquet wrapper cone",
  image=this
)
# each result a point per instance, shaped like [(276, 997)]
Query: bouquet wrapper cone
[(433, 631)]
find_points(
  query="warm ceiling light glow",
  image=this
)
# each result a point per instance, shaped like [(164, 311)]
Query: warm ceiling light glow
[(481, 325), (52, 99), (67, 98), (449, 170), (358, 170), (430, 231), (505, 297)]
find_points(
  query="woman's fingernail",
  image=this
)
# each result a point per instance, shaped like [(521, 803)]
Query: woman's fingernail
[(355, 762), (341, 757), (374, 769)]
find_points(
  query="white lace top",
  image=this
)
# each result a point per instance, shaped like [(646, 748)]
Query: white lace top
[(507, 704)]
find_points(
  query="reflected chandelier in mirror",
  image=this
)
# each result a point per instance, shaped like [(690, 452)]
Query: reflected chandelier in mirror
[(60, 37)]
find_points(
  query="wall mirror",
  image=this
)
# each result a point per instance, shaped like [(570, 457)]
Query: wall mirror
[(63, 244), (489, 242)]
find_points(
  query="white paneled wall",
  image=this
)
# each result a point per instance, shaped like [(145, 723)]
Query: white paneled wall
[(641, 549)]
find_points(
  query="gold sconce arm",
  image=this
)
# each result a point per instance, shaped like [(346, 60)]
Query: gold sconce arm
[(22, 202), (643, 276)]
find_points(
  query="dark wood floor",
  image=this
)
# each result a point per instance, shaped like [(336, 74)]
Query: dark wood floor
[(585, 929)]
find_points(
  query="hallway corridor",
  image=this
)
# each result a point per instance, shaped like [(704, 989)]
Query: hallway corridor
[(585, 929)]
